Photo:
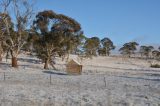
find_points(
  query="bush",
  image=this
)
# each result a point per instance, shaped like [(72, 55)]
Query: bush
[(155, 65)]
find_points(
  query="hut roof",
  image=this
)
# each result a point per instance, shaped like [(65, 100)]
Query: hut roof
[(73, 61)]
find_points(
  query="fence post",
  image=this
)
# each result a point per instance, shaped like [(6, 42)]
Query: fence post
[(104, 81), (50, 79), (4, 76)]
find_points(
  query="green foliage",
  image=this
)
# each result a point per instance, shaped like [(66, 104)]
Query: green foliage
[(102, 52), (59, 34), (146, 50), (32, 38), (156, 54), (107, 46), (91, 46)]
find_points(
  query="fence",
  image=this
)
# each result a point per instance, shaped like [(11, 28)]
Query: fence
[(52, 90), (56, 88), (62, 86)]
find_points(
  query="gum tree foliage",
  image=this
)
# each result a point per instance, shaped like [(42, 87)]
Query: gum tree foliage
[(33, 36), (91, 46), (107, 46), (156, 54), (78, 44), (146, 50), (57, 35), (129, 48)]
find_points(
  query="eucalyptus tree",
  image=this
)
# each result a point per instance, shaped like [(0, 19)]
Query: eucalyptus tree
[(146, 50), (107, 45), (57, 35), (91, 46), (156, 54), (16, 34), (78, 44), (71, 43), (33, 36), (101, 52), (129, 48)]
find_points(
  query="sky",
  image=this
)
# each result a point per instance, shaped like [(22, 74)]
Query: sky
[(120, 20)]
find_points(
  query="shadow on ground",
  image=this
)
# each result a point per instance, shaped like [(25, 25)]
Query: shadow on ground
[(149, 79), (4, 65), (56, 73), (29, 60)]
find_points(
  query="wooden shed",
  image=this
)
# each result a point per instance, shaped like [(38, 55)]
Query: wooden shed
[(74, 67)]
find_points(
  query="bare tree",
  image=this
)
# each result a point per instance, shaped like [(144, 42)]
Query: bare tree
[(16, 30), (1, 49), (4, 21)]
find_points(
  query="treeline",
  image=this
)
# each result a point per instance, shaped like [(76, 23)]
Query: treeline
[(147, 52), (49, 34)]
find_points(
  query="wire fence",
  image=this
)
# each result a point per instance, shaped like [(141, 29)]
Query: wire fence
[(62, 89), (60, 86)]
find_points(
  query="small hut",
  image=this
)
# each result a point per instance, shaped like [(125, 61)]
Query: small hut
[(74, 67)]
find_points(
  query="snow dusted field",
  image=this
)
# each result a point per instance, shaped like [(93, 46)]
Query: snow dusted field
[(105, 81)]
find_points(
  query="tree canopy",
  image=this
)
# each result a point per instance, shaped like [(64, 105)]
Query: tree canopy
[(58, 34), (129, 48)]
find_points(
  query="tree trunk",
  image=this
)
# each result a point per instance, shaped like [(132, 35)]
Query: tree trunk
[(14, 62), (52, 64), (46, 65), (107, 53), (129, 56), (141, 55), (0, 58), (67, 57), (63, 57)]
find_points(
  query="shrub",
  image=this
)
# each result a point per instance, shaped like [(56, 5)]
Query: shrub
[(155, 65)]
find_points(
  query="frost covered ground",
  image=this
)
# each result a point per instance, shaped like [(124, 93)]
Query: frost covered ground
[(105, 81)]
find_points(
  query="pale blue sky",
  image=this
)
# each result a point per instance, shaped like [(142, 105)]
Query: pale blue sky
[(120, 20)]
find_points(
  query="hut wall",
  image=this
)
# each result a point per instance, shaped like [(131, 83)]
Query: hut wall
[(74, 69)]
